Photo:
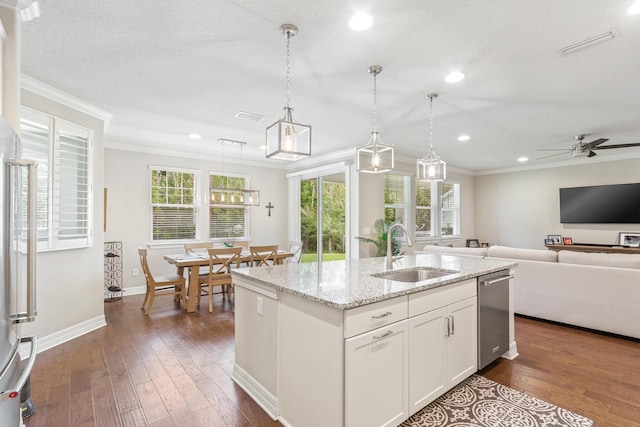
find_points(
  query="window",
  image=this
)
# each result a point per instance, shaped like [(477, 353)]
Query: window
[(174, 209), (397, 191), (437, 209), (63, 153), (228, 222)]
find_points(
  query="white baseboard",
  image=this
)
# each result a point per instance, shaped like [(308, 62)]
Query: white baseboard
[(260, 395), (135, 290), (67, 334), (513, 351)]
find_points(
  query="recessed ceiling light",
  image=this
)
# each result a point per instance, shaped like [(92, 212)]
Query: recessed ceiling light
[(194, 136), (263, 147), (523, 159), (454, 76), (464, 138), (634, 9), (360, 21)]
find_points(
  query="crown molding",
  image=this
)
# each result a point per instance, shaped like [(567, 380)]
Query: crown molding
[(27, 10), (50, 92)]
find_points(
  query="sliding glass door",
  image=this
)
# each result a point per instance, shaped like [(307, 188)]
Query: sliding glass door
[(323, 207)]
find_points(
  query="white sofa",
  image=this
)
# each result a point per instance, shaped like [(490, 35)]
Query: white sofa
[(598, 291)]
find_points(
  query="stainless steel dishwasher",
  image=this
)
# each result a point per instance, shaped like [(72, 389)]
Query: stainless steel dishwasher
[(493, 316)]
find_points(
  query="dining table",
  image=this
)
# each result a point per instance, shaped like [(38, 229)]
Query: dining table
[(194, 261)]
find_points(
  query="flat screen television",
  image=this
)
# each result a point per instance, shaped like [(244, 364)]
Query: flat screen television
[(600, 204)]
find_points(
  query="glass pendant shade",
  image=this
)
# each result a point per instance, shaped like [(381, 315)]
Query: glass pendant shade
[(431, 167), (375, 157), (229, 197), (288, 140)]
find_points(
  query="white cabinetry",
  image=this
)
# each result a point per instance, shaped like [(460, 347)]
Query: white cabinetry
[(376, 377), (310, 365), (442, 341)]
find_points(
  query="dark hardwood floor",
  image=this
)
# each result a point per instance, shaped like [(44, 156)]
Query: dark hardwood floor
[(173, 369)]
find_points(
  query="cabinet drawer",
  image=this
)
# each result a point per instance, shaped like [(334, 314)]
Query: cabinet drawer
[(371, 316), (423, 302)]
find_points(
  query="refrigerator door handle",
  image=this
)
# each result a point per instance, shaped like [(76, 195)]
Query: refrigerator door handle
[(32, 240), (13, 392)]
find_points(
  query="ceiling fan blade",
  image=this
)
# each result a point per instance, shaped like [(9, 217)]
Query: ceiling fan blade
[(551, 155), (591, 154), (593, 144), (568, 150), (637, 144)]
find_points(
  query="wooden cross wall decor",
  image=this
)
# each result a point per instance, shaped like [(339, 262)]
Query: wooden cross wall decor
[(270, 206)]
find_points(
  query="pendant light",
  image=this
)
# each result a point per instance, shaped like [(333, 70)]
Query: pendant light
[(375, 157), (224, 196), (431, 167), (286, 139)]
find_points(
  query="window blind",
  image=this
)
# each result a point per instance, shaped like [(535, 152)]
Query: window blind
[(174, 209), (228, 223)]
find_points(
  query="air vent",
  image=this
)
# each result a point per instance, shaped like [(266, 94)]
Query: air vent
[(249, 116)]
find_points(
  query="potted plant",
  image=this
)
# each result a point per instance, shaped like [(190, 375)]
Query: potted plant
[(381, 229)]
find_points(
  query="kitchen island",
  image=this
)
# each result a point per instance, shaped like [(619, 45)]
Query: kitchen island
[(332, 344)]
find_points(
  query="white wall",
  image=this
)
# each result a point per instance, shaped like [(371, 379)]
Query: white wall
[(521, 208), (128, 206), (70, 282)]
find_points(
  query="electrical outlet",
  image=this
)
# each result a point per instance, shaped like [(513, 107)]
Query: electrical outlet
[(260, 306), (135, 272)]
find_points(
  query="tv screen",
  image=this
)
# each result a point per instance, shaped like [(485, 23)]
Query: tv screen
[(601, 204)]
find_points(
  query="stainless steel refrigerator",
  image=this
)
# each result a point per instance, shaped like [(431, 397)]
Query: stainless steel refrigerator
[(17, 272)]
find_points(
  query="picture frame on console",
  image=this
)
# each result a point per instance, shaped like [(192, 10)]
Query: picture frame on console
[(549, 242), (556, 239), (473, 243), (567, 241), (631, 240)]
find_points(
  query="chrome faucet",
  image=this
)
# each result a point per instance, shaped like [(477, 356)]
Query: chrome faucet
[(389, 254)]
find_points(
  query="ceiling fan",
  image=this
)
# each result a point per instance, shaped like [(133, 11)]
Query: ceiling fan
[(585, 149)]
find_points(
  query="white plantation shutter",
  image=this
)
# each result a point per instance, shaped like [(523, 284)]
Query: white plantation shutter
[(72, 183), (174, 207), (63, 152)]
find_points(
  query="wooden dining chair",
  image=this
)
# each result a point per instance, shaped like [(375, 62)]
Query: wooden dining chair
[(173, 284), (198, 248), (220, 262), (263, 255), (295, 247)]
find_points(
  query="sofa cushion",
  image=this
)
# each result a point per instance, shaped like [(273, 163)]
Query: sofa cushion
[(600, 259), (518, 253), (480, 252)]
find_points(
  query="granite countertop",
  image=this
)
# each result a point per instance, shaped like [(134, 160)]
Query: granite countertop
[(348, 284)]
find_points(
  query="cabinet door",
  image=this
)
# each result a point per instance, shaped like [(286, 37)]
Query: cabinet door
[(462, 347), (376, 377), (427, 358)]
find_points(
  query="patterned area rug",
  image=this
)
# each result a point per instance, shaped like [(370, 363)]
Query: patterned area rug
[(478, 401)]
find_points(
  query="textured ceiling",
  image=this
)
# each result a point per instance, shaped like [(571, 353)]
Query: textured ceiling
[(165, 69)]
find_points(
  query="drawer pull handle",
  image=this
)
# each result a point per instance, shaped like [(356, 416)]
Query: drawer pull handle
[(380, 316), (385, 335)]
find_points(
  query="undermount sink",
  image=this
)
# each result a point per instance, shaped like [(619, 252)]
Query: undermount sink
[(414, 275)]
